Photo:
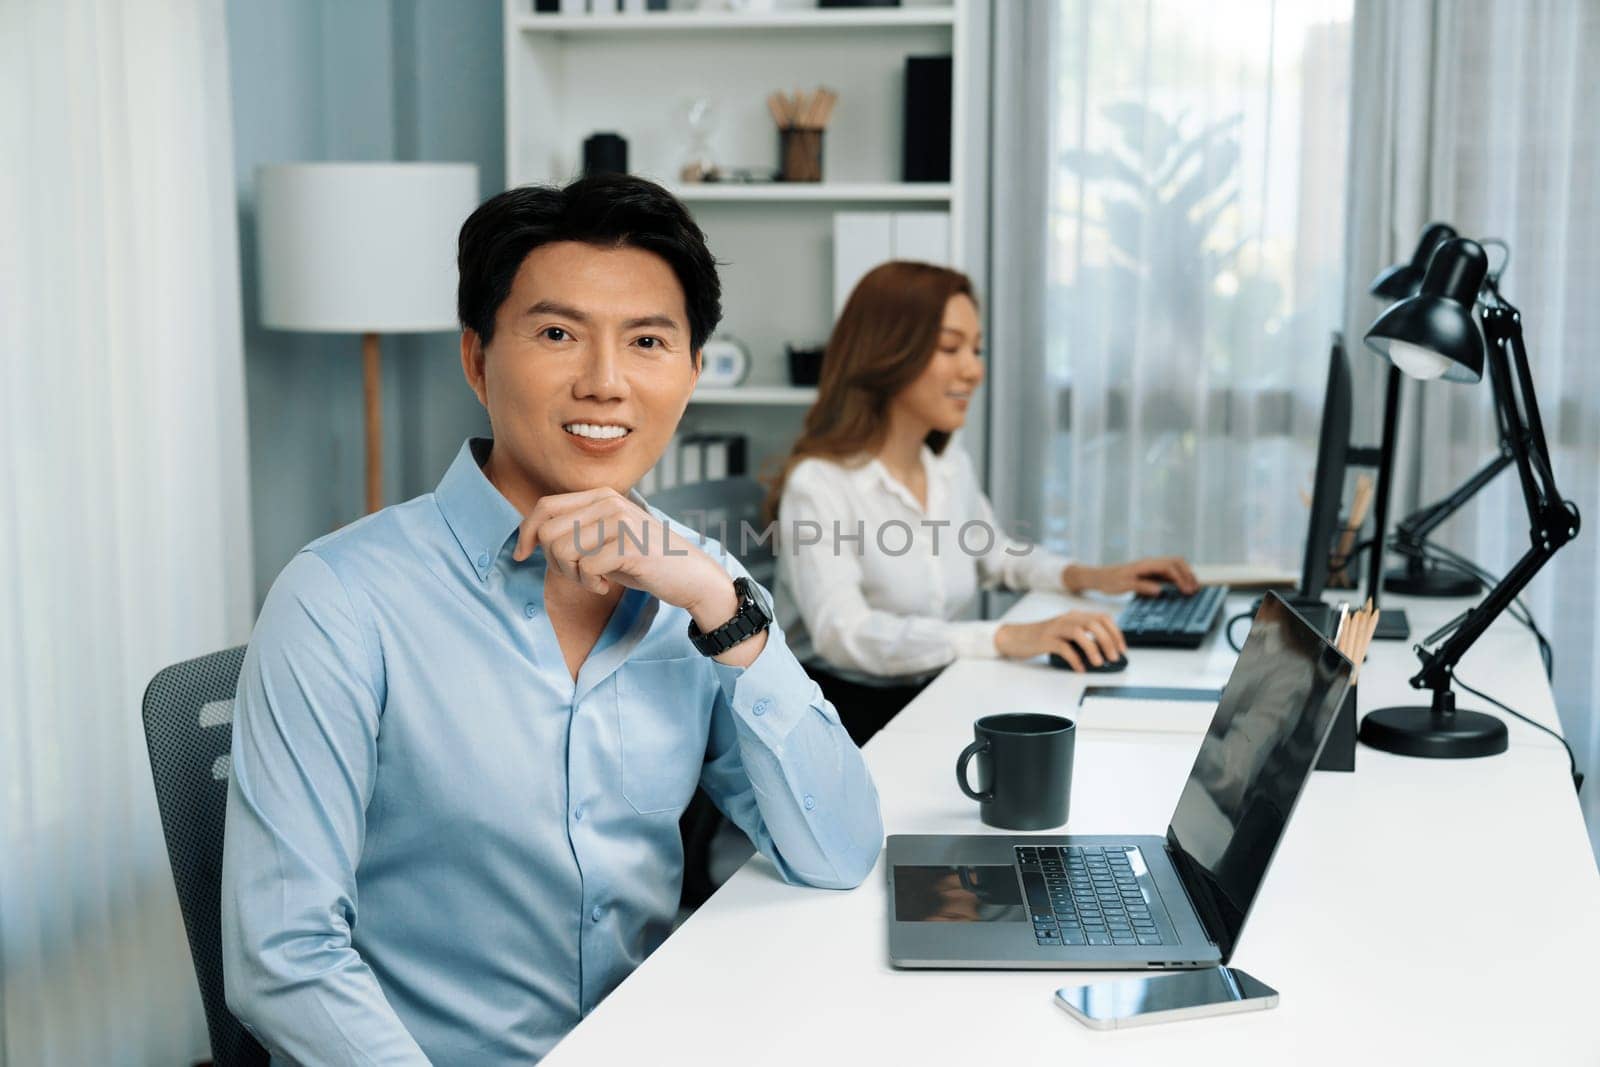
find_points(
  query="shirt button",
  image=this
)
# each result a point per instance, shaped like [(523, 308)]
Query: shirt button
[(596, 913), (761, 706), (483, 561), (530, 609), (809, 801), (577, 813)]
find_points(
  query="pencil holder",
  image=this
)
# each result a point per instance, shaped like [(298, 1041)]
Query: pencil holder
[(1339, 754), (800, 150)]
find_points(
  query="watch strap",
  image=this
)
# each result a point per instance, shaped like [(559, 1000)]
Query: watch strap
[(748, 620)]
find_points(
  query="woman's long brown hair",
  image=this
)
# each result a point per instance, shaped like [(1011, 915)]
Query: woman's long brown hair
[(885, 336)]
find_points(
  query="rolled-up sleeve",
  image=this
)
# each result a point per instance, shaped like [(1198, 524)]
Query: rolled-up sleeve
[(782, 767), (304, 758)]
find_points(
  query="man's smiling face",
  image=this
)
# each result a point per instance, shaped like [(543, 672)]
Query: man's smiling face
[(590, 368)]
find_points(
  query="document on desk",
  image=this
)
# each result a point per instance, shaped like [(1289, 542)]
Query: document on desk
[(1099, 714), (1245, 576)]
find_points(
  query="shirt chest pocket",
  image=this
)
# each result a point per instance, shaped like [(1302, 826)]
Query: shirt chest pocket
[(663, 717)]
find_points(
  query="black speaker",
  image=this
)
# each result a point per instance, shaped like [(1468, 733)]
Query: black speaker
[(605, 153), (926, 156)]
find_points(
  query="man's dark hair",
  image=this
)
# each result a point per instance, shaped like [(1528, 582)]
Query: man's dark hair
[(606, 210)]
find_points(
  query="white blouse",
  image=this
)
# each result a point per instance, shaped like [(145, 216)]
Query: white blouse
[(871, 583)]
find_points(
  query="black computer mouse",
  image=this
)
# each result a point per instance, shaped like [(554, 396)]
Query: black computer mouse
[(1110, 666)]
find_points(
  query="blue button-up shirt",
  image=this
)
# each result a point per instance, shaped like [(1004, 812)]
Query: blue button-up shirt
[(442, 848)]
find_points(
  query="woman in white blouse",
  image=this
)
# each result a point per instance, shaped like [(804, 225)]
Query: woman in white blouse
[(885, 535)]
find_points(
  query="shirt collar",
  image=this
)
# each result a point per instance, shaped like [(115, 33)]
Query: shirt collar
[(932, 465), (476, 512)]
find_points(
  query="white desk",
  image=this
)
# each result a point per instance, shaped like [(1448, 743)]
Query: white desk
[(1417, 911)]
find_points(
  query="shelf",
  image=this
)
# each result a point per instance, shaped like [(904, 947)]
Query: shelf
[(649, 22), (812, 192), (771, 395)]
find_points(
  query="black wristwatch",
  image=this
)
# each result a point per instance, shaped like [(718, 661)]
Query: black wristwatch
[(753, 616)]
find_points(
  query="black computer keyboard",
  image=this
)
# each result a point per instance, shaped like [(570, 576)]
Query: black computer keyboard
[(1085, 896), (1172, 621)]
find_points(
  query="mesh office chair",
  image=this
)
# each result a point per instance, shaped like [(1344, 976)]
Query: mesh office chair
[(188, 723)]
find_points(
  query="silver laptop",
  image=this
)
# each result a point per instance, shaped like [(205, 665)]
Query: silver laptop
[(1096, 902)]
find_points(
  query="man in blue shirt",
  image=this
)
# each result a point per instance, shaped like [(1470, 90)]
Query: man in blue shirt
[(468, 724)]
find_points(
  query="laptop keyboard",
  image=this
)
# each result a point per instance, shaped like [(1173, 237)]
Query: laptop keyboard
[(1085, 896)]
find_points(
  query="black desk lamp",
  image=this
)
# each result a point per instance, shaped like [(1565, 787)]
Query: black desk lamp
[(1398, 282), (1405, 279), (1421, 576), (1434, 335)]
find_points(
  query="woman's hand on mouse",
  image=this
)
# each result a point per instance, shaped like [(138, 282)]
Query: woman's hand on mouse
[(1079, 637), (1142, 576)]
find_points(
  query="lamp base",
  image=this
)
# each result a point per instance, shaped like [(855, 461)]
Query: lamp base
[(1439, 732), (1426, 578)]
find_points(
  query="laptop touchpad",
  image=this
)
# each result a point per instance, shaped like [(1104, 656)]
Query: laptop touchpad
[(965, 894)]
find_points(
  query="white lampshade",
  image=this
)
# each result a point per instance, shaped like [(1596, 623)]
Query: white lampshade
[(361, 247)]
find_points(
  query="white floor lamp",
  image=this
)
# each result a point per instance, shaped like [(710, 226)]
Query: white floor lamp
[(364, 248)]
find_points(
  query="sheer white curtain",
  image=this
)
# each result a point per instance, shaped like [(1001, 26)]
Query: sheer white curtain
[(1501, 140), (124, 531), (1188, 278)]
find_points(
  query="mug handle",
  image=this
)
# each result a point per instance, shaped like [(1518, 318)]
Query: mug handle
[(961, 771)]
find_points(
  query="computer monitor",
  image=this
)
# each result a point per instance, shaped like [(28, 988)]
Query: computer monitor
[(1332, 443)]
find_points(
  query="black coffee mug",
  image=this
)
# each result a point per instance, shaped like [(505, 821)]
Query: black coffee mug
[(1024, 770)]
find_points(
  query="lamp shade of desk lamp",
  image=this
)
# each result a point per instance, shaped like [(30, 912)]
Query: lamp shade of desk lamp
[(1404, 279), (1434, 334), (367, 248)]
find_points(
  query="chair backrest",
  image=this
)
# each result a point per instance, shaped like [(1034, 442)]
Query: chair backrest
[(188, 724), (717, 509)]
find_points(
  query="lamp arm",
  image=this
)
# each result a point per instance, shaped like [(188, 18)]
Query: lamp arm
[(1416, 526), (1518, 407), (1438, 665), (1554, 521), (1539, 448)]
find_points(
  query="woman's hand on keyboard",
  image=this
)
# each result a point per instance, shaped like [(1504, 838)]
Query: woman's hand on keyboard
[(1142, 576), (1078, 637)]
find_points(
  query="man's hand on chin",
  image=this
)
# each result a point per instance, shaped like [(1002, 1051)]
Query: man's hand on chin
[(598, 536)]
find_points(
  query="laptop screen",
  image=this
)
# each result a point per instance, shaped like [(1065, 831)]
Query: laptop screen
[(1274, 715)]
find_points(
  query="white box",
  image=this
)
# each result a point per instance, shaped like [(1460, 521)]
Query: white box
[(716, 458), (923, 236), (691, 460), (861, 241)]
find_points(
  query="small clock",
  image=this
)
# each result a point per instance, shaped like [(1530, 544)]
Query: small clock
[(725, 363)]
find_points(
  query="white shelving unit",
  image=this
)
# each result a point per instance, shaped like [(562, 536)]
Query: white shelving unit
[(796, 18), (814, 193), (568, 76), (757, 396)]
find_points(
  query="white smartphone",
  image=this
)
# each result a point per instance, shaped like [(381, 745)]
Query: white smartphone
[(1166, 998)]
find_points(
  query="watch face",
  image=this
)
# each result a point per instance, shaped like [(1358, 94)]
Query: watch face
[(762, 598)]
